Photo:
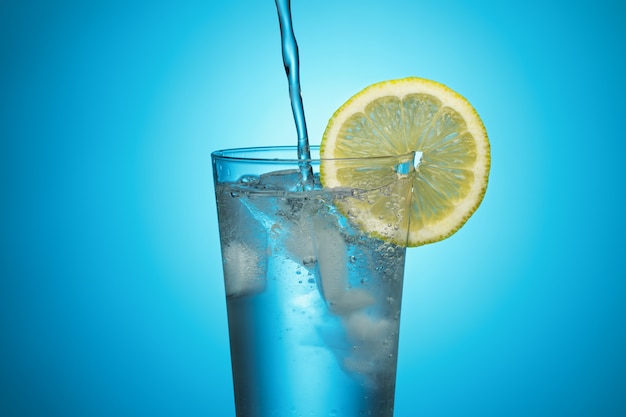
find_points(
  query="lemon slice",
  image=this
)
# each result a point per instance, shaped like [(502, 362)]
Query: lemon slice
[(449, 176)]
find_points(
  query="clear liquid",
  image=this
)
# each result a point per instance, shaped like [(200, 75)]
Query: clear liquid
[(313, 302), (291, 60)]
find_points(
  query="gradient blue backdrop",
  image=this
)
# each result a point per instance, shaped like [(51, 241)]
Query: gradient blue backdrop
[(111, 299)]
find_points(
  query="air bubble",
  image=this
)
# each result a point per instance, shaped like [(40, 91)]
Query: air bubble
[(249, 179), (309, 261)]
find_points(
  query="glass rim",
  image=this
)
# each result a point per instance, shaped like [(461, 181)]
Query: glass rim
[(235, 154)]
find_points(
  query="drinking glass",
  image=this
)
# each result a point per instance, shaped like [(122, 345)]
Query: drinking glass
[(313, 278)]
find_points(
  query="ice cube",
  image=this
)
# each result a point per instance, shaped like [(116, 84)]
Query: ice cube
[(262, 210), (332, 262), (271, 200), (286, 180), (332, 256), (351, 300), (374, 342), (365, 329), (299, 247), (244, 269)]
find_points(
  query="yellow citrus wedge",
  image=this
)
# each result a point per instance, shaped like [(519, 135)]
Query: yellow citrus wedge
[(449, 178)]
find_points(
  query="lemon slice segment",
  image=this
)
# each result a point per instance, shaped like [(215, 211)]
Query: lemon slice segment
[(449, 178)]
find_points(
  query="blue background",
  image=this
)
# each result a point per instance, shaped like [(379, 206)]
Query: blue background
[(111, 298)]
